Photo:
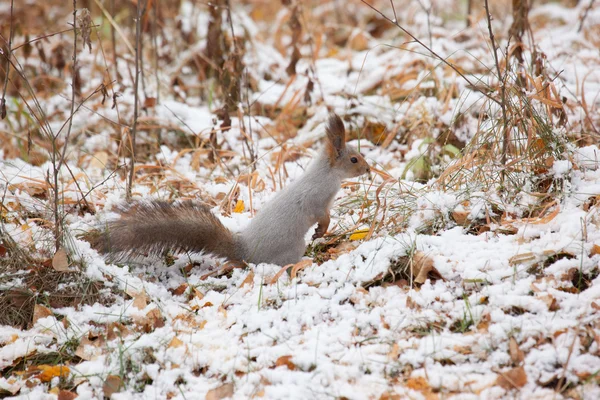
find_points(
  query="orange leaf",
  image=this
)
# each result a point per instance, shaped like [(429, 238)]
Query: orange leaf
[(239, 207), (52, 371), (285, 361)]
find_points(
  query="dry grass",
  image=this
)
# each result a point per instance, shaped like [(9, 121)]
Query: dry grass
[(521, 116)]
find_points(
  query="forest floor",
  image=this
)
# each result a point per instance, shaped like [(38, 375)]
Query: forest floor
[(466, 265)]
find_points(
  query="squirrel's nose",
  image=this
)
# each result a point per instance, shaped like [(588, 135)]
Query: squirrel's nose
[(368, 169)]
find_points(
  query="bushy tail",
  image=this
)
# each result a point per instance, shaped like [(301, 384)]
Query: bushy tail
[(153, 227)]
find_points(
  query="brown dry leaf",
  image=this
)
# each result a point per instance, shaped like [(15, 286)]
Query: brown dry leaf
[(39, 312), (198, 294), (300, 266), (66, 395), (149, 102), (179, 290), (419, 383), (516, 354), (112, 384), (48, 372), (249, 280), (116, 329), (550, 301), (60, 262), (155, 318), (595, 250), (395, 352), (595, 306), (521, 258), (461, 217), (279, 274), (422, 267), (390, 396), (140, 301), (465, 350), (285, 361), (175, 342), (221, 392), (84, 352), (514, 378)]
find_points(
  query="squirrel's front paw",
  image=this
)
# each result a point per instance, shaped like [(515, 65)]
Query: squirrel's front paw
[(319, 232)]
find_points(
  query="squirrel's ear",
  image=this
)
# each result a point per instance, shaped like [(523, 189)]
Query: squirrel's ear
[(336, 135)]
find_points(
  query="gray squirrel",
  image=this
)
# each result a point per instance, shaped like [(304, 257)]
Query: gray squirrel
[(275, 235)]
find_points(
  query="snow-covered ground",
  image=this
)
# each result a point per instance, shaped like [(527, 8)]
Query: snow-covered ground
[(512, 312)]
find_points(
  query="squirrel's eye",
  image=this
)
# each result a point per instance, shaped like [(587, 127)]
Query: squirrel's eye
[(354, 160)]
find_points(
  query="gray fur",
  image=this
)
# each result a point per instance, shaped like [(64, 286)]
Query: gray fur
[(275, 235)]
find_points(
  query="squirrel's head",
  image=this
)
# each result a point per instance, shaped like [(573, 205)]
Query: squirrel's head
[(344, 159)]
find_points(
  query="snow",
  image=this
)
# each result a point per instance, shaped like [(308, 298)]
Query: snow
[(321, 334)]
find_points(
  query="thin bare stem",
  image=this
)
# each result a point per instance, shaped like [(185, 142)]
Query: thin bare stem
[(8, 55), (501, 84), (138, 34), (430, 50), (57, 164), (584, 16)]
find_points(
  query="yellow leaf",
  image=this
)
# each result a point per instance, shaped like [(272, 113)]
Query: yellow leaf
[(359, 234), (52, 371), (175, 342), (239, 207)]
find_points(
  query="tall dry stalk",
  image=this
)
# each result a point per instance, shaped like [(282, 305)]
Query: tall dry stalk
[(140, 12)]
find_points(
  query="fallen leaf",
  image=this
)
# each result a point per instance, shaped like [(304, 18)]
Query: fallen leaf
[(595, 250), (84, 351), (514, 378), (422, 268), (112, 384), (156, 318), (179, 290), (221, 392), (239, 207), (285, 361), (52, 371), (40, 312), (175, 342), (249, 280), (395, 352), (66, 395), (419, 383), (516, 354), (60, 261), (300, 266), (461, 217), (140, 301), (521, 258), (359, 234)]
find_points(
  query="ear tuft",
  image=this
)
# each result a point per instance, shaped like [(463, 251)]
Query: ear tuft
[(336, 134)]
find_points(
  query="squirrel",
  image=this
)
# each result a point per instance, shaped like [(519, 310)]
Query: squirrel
[(275, 235)]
